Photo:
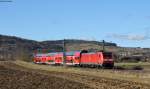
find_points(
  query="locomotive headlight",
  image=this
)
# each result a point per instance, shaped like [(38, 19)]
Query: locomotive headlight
[(108, 59)]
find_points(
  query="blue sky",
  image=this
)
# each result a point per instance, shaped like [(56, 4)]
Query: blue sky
[(125, 22)]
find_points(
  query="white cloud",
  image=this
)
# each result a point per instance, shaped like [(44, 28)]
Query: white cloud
[(130, 37)]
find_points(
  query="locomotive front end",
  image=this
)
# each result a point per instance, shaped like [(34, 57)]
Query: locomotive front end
[(108, 60)]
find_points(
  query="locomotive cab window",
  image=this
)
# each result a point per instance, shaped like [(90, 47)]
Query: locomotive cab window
[(107, 55)]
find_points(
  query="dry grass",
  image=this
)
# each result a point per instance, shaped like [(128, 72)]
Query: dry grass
[(144, 65), (141, 76), (134, 64)]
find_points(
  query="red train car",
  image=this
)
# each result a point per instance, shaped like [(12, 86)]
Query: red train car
[(38, 58), (44, 59), (76, 60), (50, 58), (58, 57), (72, 58)]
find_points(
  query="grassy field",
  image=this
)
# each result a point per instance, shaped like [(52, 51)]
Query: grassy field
[(144, 65), (129, 75), (27, 75)]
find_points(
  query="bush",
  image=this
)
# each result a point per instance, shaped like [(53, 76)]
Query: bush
[(137, 68)]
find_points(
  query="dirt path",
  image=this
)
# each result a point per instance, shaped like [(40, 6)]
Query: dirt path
[(16, 77)]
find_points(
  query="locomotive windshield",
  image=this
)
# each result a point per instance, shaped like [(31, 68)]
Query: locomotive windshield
[(107, 55)]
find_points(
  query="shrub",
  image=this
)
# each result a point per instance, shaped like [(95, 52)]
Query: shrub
[(137, 68)]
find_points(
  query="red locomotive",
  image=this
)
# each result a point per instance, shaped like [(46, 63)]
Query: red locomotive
[(78, 58), (104, 59)]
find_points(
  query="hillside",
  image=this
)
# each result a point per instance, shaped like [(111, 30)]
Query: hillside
[(15, 48)]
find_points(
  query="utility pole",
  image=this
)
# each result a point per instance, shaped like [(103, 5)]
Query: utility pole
[(103, 45), (64, 52)]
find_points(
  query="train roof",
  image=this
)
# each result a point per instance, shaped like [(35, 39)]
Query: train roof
[(70, 53)]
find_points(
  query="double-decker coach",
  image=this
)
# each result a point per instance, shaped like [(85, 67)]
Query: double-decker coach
[(50, 58), (39, 58), (72, 58), (58, 58)]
